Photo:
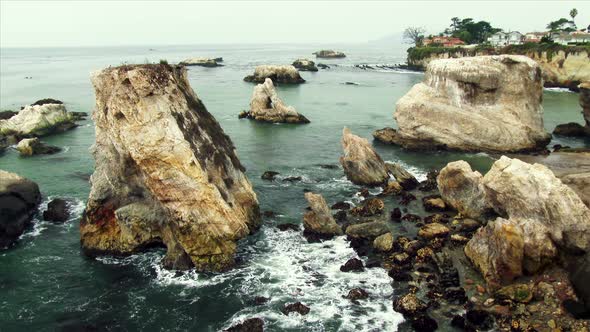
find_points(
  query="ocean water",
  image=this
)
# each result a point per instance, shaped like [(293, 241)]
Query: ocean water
[(46, 284)]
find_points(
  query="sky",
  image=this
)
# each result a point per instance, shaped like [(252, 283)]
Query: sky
[(117, 23)]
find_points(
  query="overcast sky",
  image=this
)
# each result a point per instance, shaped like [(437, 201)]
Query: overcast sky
[(96, 23)]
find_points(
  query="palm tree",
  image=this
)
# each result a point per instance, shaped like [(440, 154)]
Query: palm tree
[(573, 14)]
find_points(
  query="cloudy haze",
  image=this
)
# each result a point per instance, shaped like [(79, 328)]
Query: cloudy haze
[(97, 23)]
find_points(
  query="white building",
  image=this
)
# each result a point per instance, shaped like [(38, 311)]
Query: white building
[(506, 38), (572, 38)]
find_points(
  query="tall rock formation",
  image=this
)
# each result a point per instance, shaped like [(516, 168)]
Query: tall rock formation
[(362, 165), (485, 103), (165, 172)]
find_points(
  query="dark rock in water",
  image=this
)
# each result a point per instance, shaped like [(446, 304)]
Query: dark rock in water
[(295, 307), (399, 274), (57, 211), (269, 175), (455, 295), (356, 294), (292, 179), (409, 305), (278, 74), (350, 83), (340, 206), (365, 192), (323, 66), (260, 300), (340, 216), (33, 146), (411, 218), (424, 323), (328, 166), (401, 175), (268, 214), (19, 198), (329, 54), (480, 319), (370, 207), (46, 101), (406, 198), (571, 129), (373, 262), (249, 325), (469, 225), (396, 214), (354, 265), (430, 183), (288, 226), (368, 230), (79, 116), (4, 115), (458, 322), (304, 65), (449, 276)]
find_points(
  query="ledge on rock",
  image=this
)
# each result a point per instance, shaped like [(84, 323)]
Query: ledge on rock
[(362, 165), (165, 172), (278, 74), (266, 106)]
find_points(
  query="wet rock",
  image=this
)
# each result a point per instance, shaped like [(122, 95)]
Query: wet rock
[(424, 254), (304, 65), (392, 188), (469, 225), (368, 230), (434, 203), (383, 242), (266, 106), (340, 206), (522, 293), (370, 207), (288, 227), (297, 307), (340, 216), (19, 199), (249, 325), (455, 295), (448, 274), (269, 175), (430, 231), (458, 322), (170, 177), (33, 146), (396, 214), (353, 265), (459, 239), (319, 220), (268, 214), (202, 62), (260, 300), (329, 54), (424, 323), (409, 305), (403, 177), (292, 179), (579, 270), (400, 275), (430, 183), (412, 247), (406, 198), (362, 165), (571, 129), (461, 187), (57, 211), (356, 294), (278, 75), (436, 218)]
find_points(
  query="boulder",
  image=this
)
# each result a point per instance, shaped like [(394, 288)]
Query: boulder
[(329, 54), (57, 211), (461, 187), (368, 230), (409, 305), (402, 176), (319, 220), (278, 74), (392, 188), (482, 103), (304, 65), (19, 199), (362, 165), (202, 62), (39, 119), (433, 230), (434, 203), (165, 172), (33, 146), (356, 294), (266, 106), (370, 207), (383, 242), (354, 265)]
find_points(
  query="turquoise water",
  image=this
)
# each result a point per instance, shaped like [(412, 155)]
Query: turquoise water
[(46, 284)]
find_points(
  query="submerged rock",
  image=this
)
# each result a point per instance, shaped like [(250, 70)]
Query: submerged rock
[(165, 172), (57, 211), (33, 146), (319, 220), (362, 165), (269, 175), (354, 265), (482, 103), (356, 294), (278, 74), (297, 307), (19, 199), (39, 119), (329, 54), (305, 65), (249, 325), (266, 106), (202, 62)]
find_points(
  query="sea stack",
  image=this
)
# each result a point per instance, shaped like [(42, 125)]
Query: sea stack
[(266, 106), (284, 74), (482, 103), (362, 165), (165, 172)]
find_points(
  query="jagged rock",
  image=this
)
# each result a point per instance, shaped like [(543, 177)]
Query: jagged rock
[(39, 119), (403, 177), (57, 211), (354, 265), (329, 54), (409, 305), (248, 325), (433, 230), (383, 242), (362, 165), (319, 220), (266, 106), (202, 62), (304, 65), (278, 74), (33, 146), (496, 250), (368, 230), (19, 199), (298, 307), (482, 103), (165, 172), (462, 188)]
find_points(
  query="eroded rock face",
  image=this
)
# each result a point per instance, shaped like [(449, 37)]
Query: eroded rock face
[(305, 65), (38, 120), (484, 103), (165, 172), (266, 106), (329, 54), (19, 199), (278, 74), (362, 165), (461, 187), (319, 220)]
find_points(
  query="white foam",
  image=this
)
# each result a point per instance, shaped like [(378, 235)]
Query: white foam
[(558, 90)]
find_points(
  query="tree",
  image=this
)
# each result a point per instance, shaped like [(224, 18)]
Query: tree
[(470, 31), (563, 24), (573, 14), (455, 23), (414, 35)]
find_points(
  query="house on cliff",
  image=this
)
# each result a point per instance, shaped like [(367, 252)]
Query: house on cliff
[(444, 41), (506, 38), (572, 38)]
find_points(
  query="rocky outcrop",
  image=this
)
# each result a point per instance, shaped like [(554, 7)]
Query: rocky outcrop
[(202, 62), (305, 65), (165, 172), (488, 103), (19, 199), (57, 211), (462, 188), (329, 54), (319, 220), (362, 165), (39, 119), (266, 106), (33, 146), (278, 74)]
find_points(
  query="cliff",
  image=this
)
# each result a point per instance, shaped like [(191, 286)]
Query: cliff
[(165, 172)]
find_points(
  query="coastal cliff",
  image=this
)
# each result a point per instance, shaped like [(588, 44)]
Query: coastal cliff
[(165, 173), (562, 66)]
